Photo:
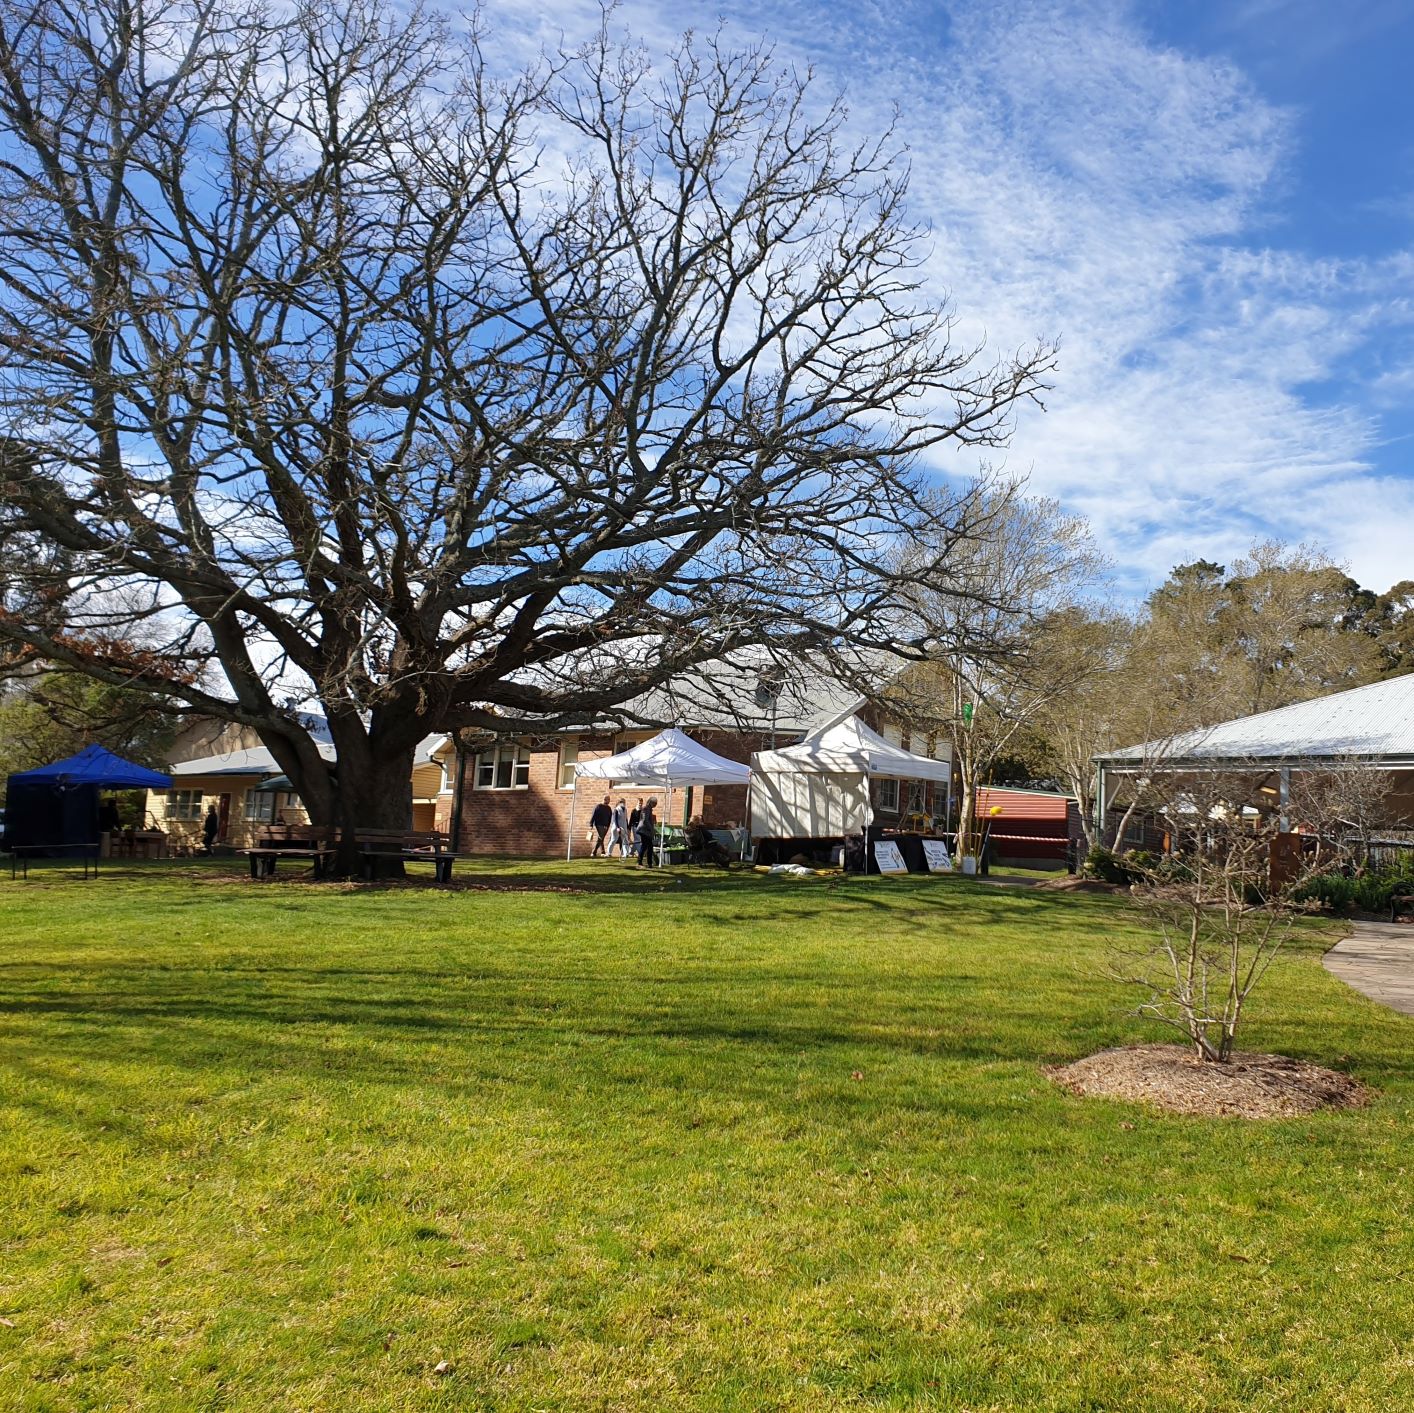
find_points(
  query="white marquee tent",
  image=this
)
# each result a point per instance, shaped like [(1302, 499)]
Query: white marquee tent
[(820, 787), (668, 760)]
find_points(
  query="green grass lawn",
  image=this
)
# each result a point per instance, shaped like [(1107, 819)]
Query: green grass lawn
[(683, 1141)]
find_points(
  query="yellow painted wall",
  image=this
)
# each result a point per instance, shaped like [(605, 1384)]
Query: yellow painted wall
[(184, 835)]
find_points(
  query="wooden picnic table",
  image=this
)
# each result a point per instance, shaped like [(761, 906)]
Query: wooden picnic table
[(291, 841), (406, 845), (319, 845)]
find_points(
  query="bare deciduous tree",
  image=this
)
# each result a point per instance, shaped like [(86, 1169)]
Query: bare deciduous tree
[(1348, 803), (1214, 939), (1027, 564), (1222, 904), (449, 402), (1088, 652)]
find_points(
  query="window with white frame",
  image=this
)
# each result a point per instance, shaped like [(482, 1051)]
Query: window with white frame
[(569, 758), (183, 804), (505, 766), (888, 796), (262, 806), (892, 734)]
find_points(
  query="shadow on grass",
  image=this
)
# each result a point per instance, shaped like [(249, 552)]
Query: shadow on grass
[(302, 1022), (540, 875)]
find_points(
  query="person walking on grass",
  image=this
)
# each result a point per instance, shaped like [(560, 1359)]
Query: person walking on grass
[(600, 821), (210, 828), (647, 824), (619, 833)]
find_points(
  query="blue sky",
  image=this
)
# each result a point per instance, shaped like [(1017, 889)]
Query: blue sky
[(1209, 204)]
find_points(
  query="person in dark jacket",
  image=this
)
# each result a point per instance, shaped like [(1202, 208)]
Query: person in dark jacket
[(600, 821), (210, 828), (702, 844), (647, 826)]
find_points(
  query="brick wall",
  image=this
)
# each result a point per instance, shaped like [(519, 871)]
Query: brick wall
[(532, 821), (535, 821)]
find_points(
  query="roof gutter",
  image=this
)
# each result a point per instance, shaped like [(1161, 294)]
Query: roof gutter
[(1172, 763)]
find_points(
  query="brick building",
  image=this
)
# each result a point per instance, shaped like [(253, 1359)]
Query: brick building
[(518, 795)]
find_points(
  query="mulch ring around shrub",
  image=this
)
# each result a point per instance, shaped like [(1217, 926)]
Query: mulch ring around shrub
[(1249, 1086)]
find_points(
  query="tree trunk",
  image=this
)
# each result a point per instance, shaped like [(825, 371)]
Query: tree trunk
[(966, 830), (1085, 800), (373, 793), (1116, 840)]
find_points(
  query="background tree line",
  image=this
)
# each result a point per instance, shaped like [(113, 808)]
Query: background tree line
[(1079, 675)]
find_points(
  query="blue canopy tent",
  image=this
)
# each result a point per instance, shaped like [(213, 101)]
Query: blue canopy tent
[(54, 808), (99, 767)]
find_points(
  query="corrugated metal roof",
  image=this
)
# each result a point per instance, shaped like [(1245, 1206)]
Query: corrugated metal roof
[(746, 690), (1020, 804), (745, 693), (254, 761), (429, 748), (1374, 723)]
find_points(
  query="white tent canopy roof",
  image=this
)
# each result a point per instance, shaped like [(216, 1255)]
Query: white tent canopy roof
[(669, 758), (849, 747)]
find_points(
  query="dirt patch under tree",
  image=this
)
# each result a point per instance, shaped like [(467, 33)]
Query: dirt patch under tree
[(1250, 1086), (1078, 883)]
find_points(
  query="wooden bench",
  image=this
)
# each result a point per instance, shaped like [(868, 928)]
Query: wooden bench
[(291, 841), (406, 845), (1401, 901)]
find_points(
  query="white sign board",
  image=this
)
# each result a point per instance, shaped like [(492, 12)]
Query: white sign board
[(936, 852), (887, 856)]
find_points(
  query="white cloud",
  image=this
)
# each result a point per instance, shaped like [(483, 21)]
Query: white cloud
[(1084, 183)]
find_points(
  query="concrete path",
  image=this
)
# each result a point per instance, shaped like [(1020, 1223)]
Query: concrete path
[(1377, 959)]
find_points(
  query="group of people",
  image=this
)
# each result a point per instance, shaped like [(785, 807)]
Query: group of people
[(631, 831)]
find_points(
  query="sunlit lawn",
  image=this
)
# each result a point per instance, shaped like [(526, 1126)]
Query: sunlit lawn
[(684, 1141)]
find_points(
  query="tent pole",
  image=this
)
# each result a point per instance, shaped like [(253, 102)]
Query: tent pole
[(746, 833), (869, 818), (569, 837)]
